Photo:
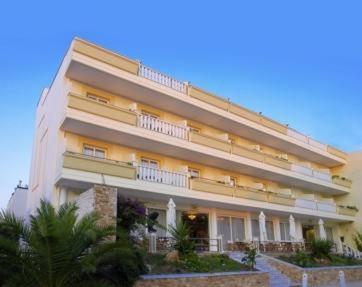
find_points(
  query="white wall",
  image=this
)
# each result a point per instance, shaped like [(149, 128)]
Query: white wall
[(18, 202)]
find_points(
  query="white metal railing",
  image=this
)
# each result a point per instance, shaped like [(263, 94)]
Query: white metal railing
[(326, 206), (161, 126), (162, 79), (162, 176), (299, 136)]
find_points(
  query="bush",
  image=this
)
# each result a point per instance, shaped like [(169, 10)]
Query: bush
[(321, 248), (183, 244), (301, 258), (358, 240)]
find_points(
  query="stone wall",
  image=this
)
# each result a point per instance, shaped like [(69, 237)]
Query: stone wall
[(318, 275), (102, 199), (227, 279)]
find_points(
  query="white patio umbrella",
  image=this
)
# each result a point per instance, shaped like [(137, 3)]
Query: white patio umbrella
[(262, 228), (322, 231), (292, 230), (170, 216)]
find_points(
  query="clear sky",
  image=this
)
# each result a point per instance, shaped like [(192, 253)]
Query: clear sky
[(299, 62)]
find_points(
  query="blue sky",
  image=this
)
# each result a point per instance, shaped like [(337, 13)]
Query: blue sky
[(299, 62)]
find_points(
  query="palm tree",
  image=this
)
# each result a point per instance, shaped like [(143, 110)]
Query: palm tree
[(56, 249)]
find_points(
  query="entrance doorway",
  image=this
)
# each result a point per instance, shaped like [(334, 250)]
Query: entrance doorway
[(308, 233), (199, 229)]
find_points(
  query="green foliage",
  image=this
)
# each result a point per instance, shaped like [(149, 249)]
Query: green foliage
[(183, 244), (301, 258), (358, 240), (194, 263), (56, 249), (321, 248), (250, 258)]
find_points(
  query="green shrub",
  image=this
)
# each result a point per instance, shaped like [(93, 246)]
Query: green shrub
[(321, 248), (358, 240), (301, 258), (183, 244)]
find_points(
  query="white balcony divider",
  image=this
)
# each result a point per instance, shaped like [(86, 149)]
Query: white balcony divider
[(297, 135), (162, 79), (161, 126), (302, 169), (305, 203), (162, 176), (317, 144), (322, 175), (326, 206)]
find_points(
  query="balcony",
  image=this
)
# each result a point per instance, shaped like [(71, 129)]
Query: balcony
[(88, 105), (98, 165), (347, 210), (163, 127), (209, 141), (161, 176), (340, 180), (100, 68), (316, 205)]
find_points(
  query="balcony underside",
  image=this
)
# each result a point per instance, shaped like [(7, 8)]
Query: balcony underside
[(107, 130), (105, 77), (149, 191)]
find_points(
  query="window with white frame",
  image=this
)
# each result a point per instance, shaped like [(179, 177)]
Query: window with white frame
[(94, 151), (97, 98), (232, 229), (329, 233), (284, 231), (255, 230), (148, 162), (269, 226), (233, 181), (193, 172)]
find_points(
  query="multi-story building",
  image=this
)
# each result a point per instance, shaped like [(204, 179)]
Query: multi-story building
[(108, 124)]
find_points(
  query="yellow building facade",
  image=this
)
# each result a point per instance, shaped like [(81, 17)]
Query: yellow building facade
[(109, 120)]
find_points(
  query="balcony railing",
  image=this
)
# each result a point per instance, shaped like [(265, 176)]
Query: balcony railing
[(162, 79), (161, 176), (161, 126), (316, 205)]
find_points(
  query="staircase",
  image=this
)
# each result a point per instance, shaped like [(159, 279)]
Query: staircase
[(276, 278)]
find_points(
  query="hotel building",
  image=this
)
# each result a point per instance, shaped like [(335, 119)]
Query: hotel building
[(110, 125)]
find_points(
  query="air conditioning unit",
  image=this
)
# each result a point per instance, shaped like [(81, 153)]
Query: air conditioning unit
[(256, 147), (283, 156)]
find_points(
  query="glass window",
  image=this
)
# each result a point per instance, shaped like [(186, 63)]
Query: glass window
[(149, 162), (238, 229), (284, 231), (98, 98), (94, 151), (255, 229), (194, 172), (223, 228), (329, 233), (269, 226), (161, 219), (233, 181)]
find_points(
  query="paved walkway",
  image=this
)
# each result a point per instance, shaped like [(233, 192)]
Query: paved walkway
[(277, 279)]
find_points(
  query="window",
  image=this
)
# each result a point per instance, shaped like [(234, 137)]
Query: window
[(329, 233), (284, 231), (269, 226), (94, 151), (149, 114), (232, 229), (194, 173), (147, 162), (255, 229), (161, 220), (233, 181), (194, 129), (98, 98)]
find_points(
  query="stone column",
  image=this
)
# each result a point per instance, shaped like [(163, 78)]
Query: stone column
[(105, 203)]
